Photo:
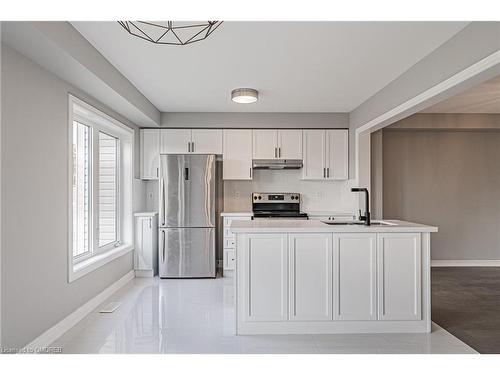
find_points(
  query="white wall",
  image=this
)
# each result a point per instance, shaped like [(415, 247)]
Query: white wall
[(34, 195)]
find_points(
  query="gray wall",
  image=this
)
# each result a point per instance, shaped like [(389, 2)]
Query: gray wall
[(474, 43), (446, 177), (254, 120), (35, 291)]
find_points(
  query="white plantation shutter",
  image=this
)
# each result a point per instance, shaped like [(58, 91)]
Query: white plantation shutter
[(107, 189), (81, 189)]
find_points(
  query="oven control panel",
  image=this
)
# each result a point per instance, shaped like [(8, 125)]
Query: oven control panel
[(276, 197)]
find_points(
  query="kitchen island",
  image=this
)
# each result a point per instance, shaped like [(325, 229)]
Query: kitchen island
[(306, 276)]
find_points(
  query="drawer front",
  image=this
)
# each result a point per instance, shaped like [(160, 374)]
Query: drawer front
[(229, 259), (229, 243), (228, 233)]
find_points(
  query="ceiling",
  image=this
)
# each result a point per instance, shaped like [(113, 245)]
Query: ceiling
[(483, 98), (296, 66)]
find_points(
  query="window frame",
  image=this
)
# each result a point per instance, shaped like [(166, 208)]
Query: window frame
[(98, 121)]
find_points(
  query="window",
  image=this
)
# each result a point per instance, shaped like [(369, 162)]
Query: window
[(101, 165)]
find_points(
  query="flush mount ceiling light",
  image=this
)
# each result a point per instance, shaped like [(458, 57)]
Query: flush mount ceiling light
[(244, 96), (170, 32)]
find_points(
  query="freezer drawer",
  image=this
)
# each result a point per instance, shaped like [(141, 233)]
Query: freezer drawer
[(186, 252)]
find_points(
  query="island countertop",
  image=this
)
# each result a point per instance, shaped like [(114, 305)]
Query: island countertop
[(318, 226)]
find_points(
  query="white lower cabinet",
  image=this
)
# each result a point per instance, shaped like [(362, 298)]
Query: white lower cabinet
[(332, 282), (229, 243), (310, 272), (399, 276), (265, 273), (146, 244), (355, 280)]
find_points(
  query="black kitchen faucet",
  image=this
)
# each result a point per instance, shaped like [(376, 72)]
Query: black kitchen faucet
[(366, 216)]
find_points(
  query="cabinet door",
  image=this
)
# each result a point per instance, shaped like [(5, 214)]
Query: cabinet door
[(310, 269), (337, 146), (290, 144), (144, 243), (314, 155), (150, 153), (399, 276), (265, 275), (237, 154), (354, 280), (206, 141), (175, 141), (265, 144)]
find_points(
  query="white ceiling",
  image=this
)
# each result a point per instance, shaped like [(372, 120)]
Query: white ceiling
[(483, 98), (296, 66)]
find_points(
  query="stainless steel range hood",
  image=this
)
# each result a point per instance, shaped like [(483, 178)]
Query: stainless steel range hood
[(277, 164)]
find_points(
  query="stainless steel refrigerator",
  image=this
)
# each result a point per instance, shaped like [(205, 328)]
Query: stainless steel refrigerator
[(187, 216)]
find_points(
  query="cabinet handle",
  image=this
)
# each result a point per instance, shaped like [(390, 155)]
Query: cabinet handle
[(149, 223), (250, 172), (279, 152), (328, 172), (157, 172), (192, 146), (324, 172), (275, 152), (189, 146)]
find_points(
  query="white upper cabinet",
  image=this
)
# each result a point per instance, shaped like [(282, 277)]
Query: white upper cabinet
[(277, 144), (175, 141), (290, 144), (314, 148), (186, 141), (150, 153), (206, 141), (337, 154), (399, 276), (265, 144), (237, 156), (325, 154)]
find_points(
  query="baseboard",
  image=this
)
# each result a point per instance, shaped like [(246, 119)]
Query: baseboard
[(466, 263), (144, 273), (53, 333)]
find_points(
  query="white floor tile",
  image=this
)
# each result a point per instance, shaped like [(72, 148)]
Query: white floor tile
[(197, 316)]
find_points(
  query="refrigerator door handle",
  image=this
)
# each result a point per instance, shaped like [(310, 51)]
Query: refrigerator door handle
[(186, 174), (162, 202), (163, 246)]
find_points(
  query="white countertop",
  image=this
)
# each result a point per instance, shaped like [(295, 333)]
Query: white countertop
[(317, 226), (229, 214)]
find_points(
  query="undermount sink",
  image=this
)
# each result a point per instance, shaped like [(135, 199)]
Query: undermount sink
[(373, 223)]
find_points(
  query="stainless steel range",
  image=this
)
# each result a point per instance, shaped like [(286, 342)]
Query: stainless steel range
[(277, 206)]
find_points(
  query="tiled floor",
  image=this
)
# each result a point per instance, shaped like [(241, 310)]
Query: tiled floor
[(196, 316)]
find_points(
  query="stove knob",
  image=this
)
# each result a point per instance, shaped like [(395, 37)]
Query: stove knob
[(297, 197), (293, 197), (254, 197), (260, 197)]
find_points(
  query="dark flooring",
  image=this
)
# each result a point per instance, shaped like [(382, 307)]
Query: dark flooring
[(466, 302)]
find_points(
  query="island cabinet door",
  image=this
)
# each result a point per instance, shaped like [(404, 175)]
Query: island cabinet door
[(265, 273), (310, 273), (355, 280), (399, 276)]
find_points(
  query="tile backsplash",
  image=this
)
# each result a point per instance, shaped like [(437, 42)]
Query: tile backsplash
[(317, 196)]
